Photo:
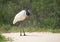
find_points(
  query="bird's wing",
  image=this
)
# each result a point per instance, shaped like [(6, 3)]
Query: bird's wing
[(20, 16)]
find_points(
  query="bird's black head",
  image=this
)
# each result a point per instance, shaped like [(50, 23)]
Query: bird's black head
[(27, 12)]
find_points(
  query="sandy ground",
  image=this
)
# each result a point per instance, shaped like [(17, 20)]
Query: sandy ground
[(34, 37)]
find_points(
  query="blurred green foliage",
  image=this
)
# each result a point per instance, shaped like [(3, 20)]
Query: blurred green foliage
[(2, 38), (44, 13)]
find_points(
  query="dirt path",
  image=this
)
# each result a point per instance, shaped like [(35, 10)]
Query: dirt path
[(34, 37)]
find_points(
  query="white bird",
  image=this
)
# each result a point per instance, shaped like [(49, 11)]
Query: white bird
[(21, 16)]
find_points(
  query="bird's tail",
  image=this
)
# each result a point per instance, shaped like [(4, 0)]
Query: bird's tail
[(14, 21)]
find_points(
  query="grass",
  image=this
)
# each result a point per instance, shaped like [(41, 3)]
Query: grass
[(9, 28), (2, 39)]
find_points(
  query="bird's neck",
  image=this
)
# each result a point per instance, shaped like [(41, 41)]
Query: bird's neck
[(27, 13)]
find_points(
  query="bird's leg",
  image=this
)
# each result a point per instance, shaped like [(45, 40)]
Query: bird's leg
[(20, 32), (24, 32)]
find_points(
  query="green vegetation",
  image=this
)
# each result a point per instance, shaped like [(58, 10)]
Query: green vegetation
[(2, 38), (45, 15), (9, 28)]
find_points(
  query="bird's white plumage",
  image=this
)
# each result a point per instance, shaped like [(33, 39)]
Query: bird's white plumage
[(20, 16)]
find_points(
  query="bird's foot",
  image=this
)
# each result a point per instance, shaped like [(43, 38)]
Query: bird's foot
[(24, 34), (20, 34)]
